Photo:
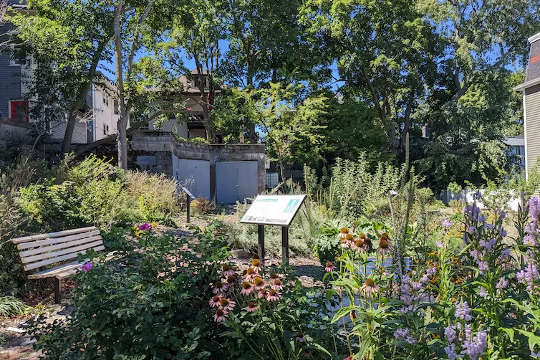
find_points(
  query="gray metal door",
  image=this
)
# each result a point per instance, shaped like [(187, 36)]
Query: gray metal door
[(236, 181)]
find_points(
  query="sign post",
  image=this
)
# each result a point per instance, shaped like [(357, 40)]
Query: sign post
[(189, 197), (278, 210)]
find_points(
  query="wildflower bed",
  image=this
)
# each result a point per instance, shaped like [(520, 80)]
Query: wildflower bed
[(475, 297)]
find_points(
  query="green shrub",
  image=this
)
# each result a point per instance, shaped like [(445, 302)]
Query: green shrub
[(326, 246), (147, 303), (95, 192)]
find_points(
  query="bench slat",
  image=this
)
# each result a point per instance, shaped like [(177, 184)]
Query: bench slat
[(62, 245), (58, 259), (52, 235), (52, 272), (95, 241), (51, 241)]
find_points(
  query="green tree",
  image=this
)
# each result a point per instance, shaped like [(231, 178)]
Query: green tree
[(128, 26), (385, 53), (70, 39), (290, 124)]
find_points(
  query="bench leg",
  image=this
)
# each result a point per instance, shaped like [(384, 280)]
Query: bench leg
[(57, 291)]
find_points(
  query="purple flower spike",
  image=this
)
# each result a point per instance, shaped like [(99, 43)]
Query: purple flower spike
[(463, 311), (446, 223), (87, 267)]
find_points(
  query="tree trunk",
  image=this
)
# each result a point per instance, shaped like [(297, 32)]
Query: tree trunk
[(121, 127), (79, 101)]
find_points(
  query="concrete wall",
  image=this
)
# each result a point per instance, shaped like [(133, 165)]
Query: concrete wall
[(14, 133), (237, 171)]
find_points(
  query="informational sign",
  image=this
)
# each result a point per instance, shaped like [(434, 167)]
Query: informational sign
[(273, 209), (188, 193)]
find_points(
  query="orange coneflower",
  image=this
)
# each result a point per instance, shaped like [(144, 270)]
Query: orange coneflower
[(369, 287), (252, 306)]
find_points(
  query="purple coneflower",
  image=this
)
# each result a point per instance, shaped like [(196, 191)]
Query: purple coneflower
[(369, 287), (226, 304), (329, 267), (214, 301), (247, 288), (220, 315), (252, 306), (273, 295)]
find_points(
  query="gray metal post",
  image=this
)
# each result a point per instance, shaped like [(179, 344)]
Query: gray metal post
[(285, 245), (188, 208), (260, 233)]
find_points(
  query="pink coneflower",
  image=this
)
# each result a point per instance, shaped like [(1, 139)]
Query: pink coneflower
[(259, 283), (252, 306), (251, 273), (261, 294), (87, 267), (227, 270), (369, 287), (274, 276), (219, 287), (276, 284), (247, 288), (214, 301), (329, 267), (232, 279), (220, 315), (273, 295), (256, 264), (226, 304), (384, 244)]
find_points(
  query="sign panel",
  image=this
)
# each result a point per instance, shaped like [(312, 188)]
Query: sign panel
[(273, 209), (188, 193)]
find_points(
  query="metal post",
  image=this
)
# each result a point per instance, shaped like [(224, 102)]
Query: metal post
[(188, 208), (260, 233), (57, 291), (285, 245)]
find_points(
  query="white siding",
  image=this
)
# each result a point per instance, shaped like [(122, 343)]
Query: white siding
[(532, 119)]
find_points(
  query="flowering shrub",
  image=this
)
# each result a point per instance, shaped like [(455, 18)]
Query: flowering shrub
[(147, 303)]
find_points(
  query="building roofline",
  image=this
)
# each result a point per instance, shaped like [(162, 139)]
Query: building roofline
[(534, 38), (527, 84)]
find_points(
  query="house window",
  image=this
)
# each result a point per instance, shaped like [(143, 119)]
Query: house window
[(18, 110)]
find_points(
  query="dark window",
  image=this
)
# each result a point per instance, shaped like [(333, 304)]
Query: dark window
[(19, 110)]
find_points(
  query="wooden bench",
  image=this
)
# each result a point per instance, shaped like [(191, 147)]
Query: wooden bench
[(51, 255)]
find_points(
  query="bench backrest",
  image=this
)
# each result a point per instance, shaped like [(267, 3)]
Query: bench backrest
[(42, 250)]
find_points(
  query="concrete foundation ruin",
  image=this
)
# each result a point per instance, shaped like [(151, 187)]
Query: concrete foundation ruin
[(222, 173)]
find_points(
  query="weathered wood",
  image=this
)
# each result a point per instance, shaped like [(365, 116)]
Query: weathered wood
[(58, 259), (52, 272), (62, 245), (48, 255), (52, 235)]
